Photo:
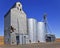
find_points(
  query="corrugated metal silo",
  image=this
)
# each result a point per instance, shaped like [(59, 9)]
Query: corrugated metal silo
[(41, 32), (32, 24)]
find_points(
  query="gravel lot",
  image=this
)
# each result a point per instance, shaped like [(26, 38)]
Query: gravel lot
[(36, 45)]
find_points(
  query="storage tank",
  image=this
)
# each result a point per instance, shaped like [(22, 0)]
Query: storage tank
[(41, 32), (32, 24)]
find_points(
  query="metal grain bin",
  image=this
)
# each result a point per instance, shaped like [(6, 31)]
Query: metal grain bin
[(32, 25), (41, 32)]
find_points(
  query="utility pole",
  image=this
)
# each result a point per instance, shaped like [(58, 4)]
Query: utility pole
[(45, 21)]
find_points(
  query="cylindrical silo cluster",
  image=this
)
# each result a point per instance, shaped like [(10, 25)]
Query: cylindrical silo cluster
[(32, 25), (36, 32), (41, 33)]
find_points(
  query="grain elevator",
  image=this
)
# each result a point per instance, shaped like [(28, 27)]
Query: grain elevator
[(15, 24), (18, 29)]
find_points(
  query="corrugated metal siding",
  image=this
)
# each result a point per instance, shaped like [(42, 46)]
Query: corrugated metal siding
[(32, 23), (41, 32)]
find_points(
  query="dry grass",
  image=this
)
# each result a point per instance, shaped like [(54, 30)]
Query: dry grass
[(58, 40), (36, 45), (1, 40), (55, 44)]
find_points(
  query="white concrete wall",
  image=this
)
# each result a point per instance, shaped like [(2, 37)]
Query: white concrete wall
[(22, 39), (13, 39), (19, 21), (6, 28)]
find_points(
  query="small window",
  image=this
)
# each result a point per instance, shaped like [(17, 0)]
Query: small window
[(20, 9), (38, 41), (12, 42), (30, 41), (24, 36), (8, 39), (18, 4)]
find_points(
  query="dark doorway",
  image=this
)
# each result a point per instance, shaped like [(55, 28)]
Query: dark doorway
[(48, 39), (17, 40)]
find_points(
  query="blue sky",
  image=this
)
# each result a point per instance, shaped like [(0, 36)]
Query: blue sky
[(35, 9)]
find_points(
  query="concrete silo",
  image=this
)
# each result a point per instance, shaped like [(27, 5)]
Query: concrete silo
[(24, 39), (15, 24), (41, 32), (32, 24)]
